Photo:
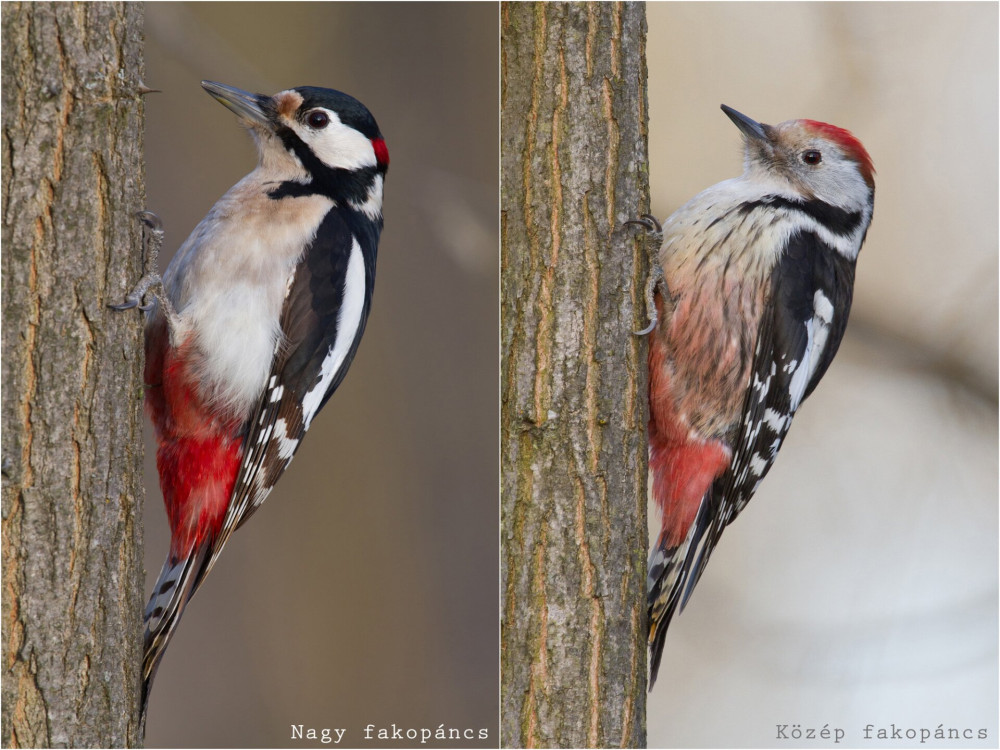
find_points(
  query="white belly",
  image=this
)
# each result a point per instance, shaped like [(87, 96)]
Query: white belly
[(228, 284)]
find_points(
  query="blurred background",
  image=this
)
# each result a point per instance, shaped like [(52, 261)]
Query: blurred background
[(860, 585), (365, 589)]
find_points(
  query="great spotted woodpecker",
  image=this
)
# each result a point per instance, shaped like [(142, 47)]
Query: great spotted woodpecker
[(757, 281), (260, 314)]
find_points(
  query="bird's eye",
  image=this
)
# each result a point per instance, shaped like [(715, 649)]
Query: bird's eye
[(812, 158), (318, 119)]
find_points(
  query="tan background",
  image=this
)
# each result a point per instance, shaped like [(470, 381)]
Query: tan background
[(860, 585), (365, 590)]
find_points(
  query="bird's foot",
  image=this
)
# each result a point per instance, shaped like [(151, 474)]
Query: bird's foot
[(654, 278), (650, 224), (152, 239), (654, 228)]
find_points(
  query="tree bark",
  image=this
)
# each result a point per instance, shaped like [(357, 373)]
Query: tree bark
[(573, 425), (72, 181)]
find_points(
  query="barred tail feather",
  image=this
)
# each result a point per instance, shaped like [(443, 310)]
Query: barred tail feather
[(664, 583), (669, 581), (661, 601), (179, 579)]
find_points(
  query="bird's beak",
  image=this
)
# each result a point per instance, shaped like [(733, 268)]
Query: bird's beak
[(750, 128), (250, 107)]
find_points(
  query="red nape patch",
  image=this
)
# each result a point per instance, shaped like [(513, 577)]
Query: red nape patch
[(851, 145), (381, 152)]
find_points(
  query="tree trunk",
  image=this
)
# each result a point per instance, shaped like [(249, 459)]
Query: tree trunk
[(573, 425), (72, 452)]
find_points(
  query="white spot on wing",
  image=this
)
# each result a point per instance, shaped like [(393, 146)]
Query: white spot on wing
[(348, 322), (260, 494), (285, 445), (758, 465), (774, 420)]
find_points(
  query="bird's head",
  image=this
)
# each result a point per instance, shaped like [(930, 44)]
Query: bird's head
[(311, 134), (813, 159)]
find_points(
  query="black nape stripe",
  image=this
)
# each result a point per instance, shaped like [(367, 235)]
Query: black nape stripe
[(837, 220), (335, 183)]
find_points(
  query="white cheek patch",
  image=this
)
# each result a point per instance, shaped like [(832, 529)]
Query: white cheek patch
[(339, 146), (348, 322)]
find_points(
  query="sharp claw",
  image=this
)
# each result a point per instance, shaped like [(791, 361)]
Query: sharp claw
[(648, 221), (138, 294), (648, 329), (151, 220), (133, 299)]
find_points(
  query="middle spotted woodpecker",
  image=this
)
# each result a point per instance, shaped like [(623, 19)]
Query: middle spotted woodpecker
[(261, 312), (757, 280)]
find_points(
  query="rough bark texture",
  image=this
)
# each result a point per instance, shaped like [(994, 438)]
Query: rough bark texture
[(573, 420), (72, 440)]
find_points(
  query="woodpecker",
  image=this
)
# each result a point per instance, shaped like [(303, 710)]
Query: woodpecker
[(254, 324), (757, 280)]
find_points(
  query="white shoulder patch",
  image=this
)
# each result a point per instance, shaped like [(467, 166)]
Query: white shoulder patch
[(348, 322), (818, 329), (372, 205)]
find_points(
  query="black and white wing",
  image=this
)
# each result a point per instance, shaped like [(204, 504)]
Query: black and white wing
[(811, 291), (323, 318)]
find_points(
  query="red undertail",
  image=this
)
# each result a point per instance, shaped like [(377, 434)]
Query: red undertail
[(198, 452)]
